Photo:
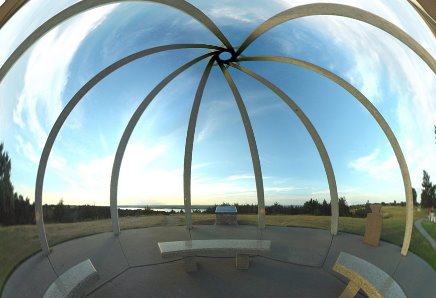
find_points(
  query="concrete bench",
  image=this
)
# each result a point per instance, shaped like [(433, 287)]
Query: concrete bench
[(366, 276), (73, 282), (243, 248)]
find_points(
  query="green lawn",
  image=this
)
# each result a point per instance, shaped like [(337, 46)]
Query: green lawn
[(19, 242), (430, 227)]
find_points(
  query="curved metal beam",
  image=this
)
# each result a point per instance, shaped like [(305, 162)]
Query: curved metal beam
[(190, 143), (85, 5), (66, 112), (381, 122), (253, 147), (344, 11), (128, 132), (315, 138), (8, 9)]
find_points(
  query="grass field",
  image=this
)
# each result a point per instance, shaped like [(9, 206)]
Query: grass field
[(19, 242), (430, 228)]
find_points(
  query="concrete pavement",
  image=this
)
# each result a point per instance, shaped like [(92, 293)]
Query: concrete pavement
[(299, 264)]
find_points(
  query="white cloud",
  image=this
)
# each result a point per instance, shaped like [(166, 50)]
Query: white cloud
[(202, 165), (239, 177), (47, 73), (386, 9), (103, 142), (377, 58), (364, 162), (57, 162), (138, 155), (88, 182), (369, 50), (234, 12), (26, 149), (138, 178), (341, 192), (281, 189), (215, 114), (245, 16), (45, 76), (236, 188), (384, 169), (215, 188), (263, 108), (40, 101), (245, 177)]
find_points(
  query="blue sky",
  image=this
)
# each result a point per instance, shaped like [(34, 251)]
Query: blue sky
[(401, 86)]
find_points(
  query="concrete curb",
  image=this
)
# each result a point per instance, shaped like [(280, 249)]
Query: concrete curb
[(424, 233)]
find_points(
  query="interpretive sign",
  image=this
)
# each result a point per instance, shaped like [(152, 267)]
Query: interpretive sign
[(226, 215)]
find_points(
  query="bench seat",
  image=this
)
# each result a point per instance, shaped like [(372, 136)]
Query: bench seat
[(366, 276), (73, 282), (188, 249)]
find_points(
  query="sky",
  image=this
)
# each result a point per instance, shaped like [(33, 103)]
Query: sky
[(45, 78)]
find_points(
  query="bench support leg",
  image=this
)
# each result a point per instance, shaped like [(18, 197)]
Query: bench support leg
[(242, 261), (350, 291), (190, 264)]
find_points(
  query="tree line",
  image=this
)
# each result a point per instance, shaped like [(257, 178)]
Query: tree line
[(311, 207), (74, 213), (428, 192), (14, 209)]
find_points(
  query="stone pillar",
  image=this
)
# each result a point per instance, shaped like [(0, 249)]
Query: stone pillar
[(374, 222)]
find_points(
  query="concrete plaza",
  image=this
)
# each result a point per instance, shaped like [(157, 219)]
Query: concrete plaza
[(298, 265)]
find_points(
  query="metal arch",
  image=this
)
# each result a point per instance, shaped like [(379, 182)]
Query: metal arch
[(300, 11), (187, 166), (66, 112), (381, 122), (85, 5), (315, 138), (8, 9), (128, 132), (252, 144), (344, 11)]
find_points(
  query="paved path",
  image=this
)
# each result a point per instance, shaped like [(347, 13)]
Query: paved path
[(424, 233)]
